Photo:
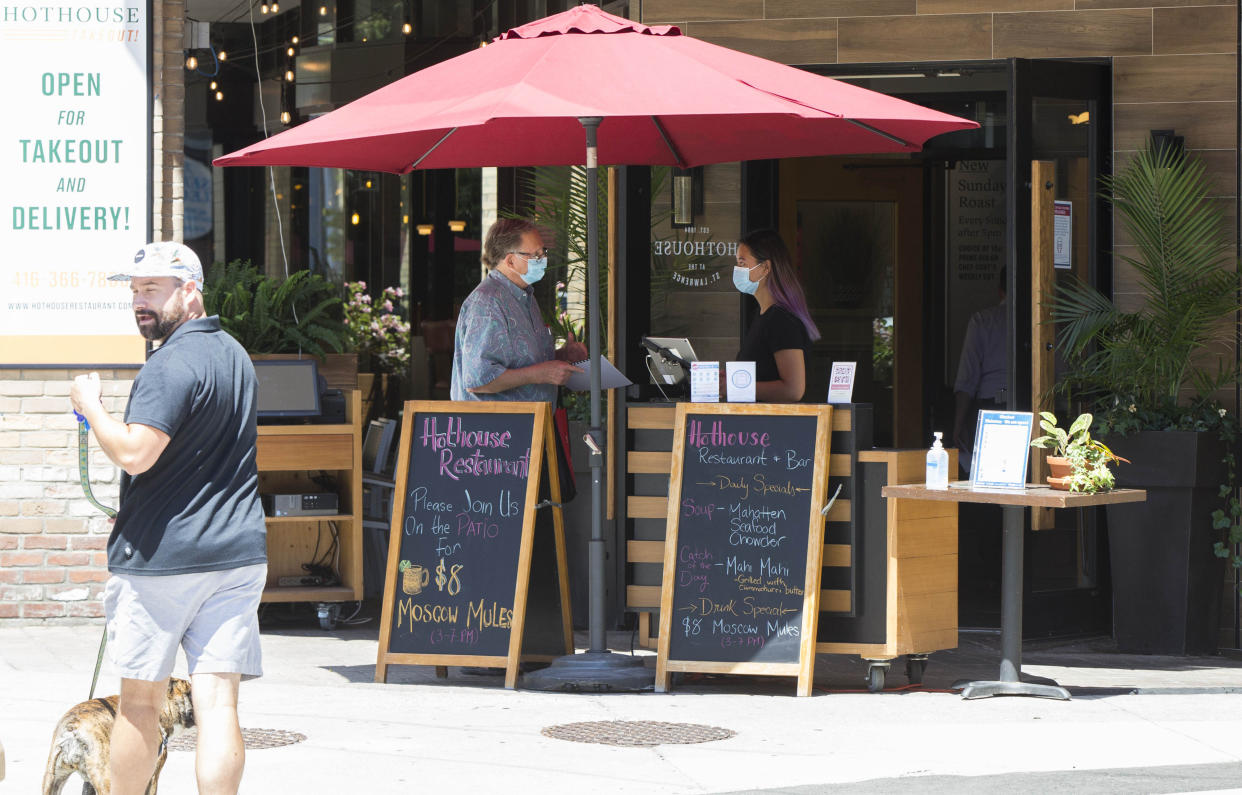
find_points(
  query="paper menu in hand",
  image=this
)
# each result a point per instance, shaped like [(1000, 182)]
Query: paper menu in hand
[(1002, 447), (609, 377)]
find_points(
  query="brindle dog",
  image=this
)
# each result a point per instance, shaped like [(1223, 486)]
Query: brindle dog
[(82, 742)]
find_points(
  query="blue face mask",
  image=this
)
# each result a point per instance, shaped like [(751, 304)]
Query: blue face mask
[(535, 268), (741, 280)]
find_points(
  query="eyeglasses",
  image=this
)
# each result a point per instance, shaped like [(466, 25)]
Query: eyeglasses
[(540, 254)]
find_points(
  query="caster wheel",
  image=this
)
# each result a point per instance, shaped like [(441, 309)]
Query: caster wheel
[(875, 677), (328, 614), (915, 666)]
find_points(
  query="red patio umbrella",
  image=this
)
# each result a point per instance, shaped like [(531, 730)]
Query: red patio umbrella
[(655, 97), (664, 98)]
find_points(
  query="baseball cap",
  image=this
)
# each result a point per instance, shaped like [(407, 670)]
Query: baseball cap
[(165, 258)]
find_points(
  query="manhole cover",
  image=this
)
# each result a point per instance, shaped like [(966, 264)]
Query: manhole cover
[(637, 732), (253, 738)]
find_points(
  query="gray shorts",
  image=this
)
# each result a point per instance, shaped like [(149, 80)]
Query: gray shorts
[(213, 615)]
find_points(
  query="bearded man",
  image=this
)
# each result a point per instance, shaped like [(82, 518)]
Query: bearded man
[(188, 550)]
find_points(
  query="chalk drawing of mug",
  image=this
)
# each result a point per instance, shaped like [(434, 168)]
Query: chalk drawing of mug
[(413, 577)]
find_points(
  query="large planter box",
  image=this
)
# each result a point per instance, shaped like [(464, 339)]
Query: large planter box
[(1166, 579)]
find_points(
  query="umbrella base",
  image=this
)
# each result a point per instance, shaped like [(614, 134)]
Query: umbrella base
[(591, 672)]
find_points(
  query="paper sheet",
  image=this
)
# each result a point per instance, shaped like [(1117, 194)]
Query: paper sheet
[(610, 377)]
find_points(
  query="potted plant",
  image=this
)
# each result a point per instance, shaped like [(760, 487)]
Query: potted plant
[(1150, 375), (375, 330), (1077, 462), (282, 318)]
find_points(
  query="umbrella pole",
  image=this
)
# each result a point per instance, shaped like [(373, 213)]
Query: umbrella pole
[(597, 669), (598, 639)]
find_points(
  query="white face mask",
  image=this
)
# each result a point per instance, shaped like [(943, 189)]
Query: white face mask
[(741, 280), (535, 268)]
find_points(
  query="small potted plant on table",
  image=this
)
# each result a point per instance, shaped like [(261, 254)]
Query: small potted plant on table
[(1077, 462)]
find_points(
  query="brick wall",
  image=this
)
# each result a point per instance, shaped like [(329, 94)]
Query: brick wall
[(52, 539)]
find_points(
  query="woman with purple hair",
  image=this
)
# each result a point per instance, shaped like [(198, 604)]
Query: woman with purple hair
[(778, 339)]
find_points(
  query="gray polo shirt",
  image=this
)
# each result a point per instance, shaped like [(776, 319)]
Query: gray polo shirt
[(197, 508), (500, 328)]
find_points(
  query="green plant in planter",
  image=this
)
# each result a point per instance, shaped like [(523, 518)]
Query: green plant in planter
[(300, 314), (1088, 458), (1157, 366)]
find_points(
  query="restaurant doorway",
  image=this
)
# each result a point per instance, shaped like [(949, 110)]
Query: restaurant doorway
[(897, 253)]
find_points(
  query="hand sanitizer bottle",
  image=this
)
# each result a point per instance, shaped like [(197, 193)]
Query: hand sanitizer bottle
[(937, 465)]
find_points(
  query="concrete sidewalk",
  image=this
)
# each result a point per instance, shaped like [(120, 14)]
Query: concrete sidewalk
[(1138, 724)]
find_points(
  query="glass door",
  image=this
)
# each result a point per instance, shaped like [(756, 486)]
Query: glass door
[(1059, 113)]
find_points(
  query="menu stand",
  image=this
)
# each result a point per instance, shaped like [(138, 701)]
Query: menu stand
[(1010, 681)]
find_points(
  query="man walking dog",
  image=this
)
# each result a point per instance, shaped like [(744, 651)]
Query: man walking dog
[(187, 553)]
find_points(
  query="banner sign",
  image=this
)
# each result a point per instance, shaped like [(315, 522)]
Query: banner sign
[(74, 203)]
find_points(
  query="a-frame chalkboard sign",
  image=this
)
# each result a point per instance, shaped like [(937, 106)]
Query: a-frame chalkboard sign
[(745, 535), (469, 580)]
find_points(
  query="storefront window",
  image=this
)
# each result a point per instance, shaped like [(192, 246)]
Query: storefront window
[(846, 253), (692, 292)]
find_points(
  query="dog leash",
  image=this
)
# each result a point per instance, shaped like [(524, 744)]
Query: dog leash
[(84, 445)]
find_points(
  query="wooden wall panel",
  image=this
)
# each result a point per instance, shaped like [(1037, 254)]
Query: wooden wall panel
[(922, 38), (1066, 34), (1199, 29), (1174, 78), (663, 12), (789, 9), (1088, 4), (980, 6), (1205, 125), (790, 41)]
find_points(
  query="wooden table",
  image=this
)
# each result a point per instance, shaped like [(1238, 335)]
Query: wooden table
[(1010, 681)]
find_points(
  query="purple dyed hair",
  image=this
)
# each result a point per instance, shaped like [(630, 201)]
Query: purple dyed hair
[(786, 291)]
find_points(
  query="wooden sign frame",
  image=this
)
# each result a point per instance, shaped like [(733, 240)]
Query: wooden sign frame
[(804, 669), (542, 451)]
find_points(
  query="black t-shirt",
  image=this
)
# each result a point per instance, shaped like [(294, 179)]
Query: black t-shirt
[(774, 330), (197, 508)]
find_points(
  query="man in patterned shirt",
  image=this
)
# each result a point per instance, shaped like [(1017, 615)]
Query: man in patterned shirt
[(503, 350)]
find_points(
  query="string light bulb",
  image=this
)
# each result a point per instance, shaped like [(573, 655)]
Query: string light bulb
[(424, 229), (222, 55), (275, 8), (355, 219), (407, 28), (219, 96), (289, 52), (457, 226), (289, 75), (263, 8), (294, 40), (191, 62), (323, 11), (285, 117), (214, 85)]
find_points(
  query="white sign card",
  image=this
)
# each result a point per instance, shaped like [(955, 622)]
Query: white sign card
[(705, 382), (841, 383), (1002, 446), (1062, 234), (740, 382)]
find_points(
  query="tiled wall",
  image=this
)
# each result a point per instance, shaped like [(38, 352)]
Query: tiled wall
[(1175, 61)]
